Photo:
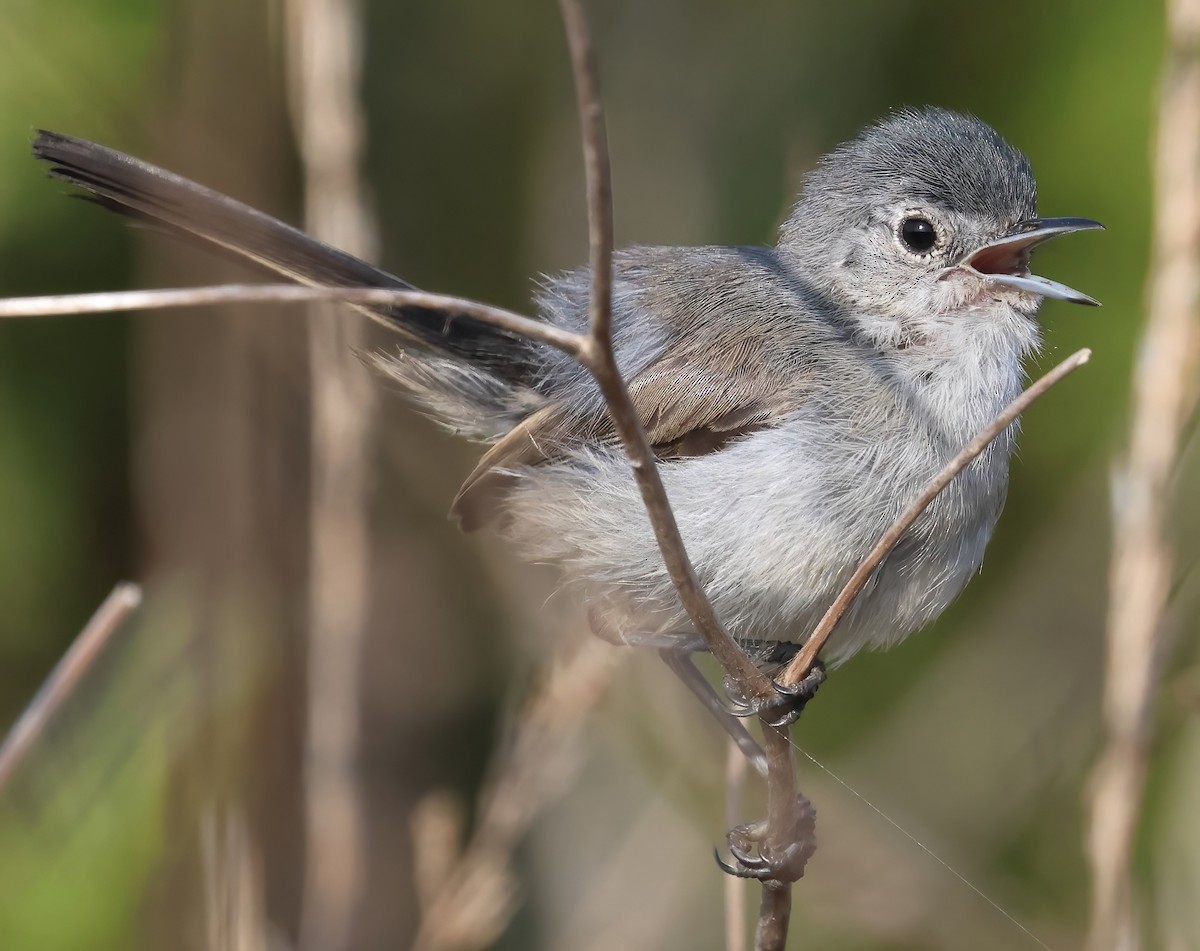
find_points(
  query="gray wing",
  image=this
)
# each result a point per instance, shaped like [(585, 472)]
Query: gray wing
[(721, 370)]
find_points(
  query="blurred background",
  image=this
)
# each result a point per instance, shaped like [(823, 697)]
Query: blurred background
[(176, 449)]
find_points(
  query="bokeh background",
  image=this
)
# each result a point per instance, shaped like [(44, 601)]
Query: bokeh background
[(173, 448)]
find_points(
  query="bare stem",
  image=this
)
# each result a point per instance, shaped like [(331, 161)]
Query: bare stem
[(65, 677), (597, 170), (803, 662), (1164, 397), (323, 71), (108, 302), (598, 356), (775, 906)]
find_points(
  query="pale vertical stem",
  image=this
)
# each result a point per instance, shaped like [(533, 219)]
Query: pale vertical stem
[(324, 66), (1164, 393), (235, 917), (735, 888)]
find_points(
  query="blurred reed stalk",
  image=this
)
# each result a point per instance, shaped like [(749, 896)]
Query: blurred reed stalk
[(469, 894), (735, 888), (1164, 396), (324, 65), (234, 884)]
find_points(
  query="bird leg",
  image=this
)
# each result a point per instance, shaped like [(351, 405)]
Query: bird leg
[(753, 856), (684, 667)]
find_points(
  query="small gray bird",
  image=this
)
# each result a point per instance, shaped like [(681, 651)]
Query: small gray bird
[(798, 396)]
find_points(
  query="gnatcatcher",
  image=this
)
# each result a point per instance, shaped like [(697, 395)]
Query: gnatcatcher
[(799, 396)]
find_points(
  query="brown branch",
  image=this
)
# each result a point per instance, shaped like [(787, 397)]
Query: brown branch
[(65, 677), (324, 70), (596, 169), (791, 822), (599, 358), (597, 355), (1164, 397), (783, 835), (803, 661)]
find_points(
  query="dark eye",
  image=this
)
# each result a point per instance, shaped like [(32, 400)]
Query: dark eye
[(918, 234)]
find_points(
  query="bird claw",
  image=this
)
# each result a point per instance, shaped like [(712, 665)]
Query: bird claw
[(752, 858), (785, 706), (746, 856)]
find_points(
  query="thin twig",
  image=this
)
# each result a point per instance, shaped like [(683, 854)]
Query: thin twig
[(324, 69), (108, 302), (791, 821), (598, 356), (600, 359), (75, 663), (1164, 396), (597, 170), (803, 661)]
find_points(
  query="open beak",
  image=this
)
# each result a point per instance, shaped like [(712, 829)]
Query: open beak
[(1005, 261)]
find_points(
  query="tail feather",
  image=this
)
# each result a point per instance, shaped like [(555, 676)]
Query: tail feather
[(178, 205), (463, 398)]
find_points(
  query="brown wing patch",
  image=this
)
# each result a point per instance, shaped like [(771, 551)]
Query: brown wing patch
[(688, 405), (530, 442), (690, 409)]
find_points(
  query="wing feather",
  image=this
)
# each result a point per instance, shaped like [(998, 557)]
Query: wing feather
[(689, 402)]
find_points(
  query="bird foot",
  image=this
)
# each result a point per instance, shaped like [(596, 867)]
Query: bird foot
[(784, 707), (754, 857)]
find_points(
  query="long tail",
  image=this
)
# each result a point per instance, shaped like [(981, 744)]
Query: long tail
[(471, 376)]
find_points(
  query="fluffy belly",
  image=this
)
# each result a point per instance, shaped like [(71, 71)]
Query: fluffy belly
[(918, 581), (772, 537)]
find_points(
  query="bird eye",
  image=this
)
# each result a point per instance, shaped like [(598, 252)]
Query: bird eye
[(918, 234)]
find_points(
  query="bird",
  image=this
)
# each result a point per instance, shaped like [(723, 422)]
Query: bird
[(797, 396)]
